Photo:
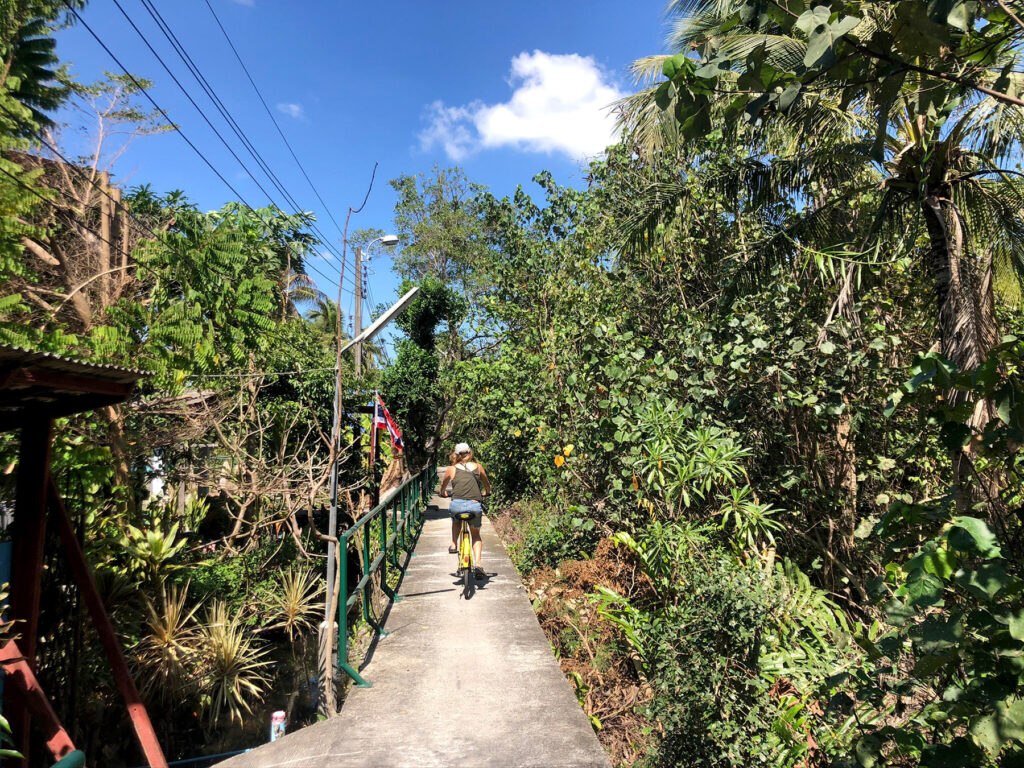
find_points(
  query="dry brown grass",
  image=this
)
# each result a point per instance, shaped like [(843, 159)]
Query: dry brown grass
[(592, 655)]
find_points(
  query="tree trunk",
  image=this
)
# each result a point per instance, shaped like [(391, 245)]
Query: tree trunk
[(961, 323), (961, 326)]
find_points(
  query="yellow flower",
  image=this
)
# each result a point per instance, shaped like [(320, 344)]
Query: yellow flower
[(517, 433), (568, 450), (559, 461), (543, 447)]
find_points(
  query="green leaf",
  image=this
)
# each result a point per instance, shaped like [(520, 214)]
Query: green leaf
[(663, 98), (985, 581), (937, 636), (891, 403), (868, 751), (820, 53), (940, 562), (813, 19), (1005, 724), (1004, 404), (1016, 624), (827, 348), (962, 16), (823, 35), (926, 666), (788, 96), (971, 533)]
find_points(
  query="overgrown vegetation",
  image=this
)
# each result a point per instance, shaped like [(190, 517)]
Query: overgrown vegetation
[(754, 396)]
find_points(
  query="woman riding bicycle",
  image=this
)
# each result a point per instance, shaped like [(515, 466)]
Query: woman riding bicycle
[(466, 478)]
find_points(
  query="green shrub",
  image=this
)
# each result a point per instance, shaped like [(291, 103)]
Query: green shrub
[(244, 580), (550, 535), (736, 652)]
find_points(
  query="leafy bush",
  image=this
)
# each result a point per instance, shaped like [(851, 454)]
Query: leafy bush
[(946, 687), (245, 578), (550, 535), (734, 651)]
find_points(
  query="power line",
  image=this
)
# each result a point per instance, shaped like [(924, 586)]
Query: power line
[(98, 187), (166, 117), (147, 229), (219, 105), (257, 375), (273, 119), (87, 228)]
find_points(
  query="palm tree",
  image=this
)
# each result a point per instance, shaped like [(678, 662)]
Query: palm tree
[(299, 291), (930, 171), (324, 317)]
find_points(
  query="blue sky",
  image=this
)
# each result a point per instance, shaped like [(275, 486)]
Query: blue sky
[(502, 89)]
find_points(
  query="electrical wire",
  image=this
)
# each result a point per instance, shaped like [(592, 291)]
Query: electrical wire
[(163, 113), (273, 119), (257, 375), (145, 228), (99, 188), (87, 228), (225, 113)]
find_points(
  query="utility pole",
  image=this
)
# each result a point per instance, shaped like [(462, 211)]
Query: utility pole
[(359, 312)]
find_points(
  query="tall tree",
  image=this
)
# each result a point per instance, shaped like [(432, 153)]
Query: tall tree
[(856, 107)]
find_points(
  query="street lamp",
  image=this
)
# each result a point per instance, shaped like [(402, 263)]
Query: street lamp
[(389, 241), (332, 521)]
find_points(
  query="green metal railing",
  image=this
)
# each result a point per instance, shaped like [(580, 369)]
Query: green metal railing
[(389, 527)]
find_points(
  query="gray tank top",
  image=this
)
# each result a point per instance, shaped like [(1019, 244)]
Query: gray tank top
[(466, 483)]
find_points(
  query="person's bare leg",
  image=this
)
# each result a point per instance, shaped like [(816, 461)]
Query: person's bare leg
[(478, 545), (455, 533)]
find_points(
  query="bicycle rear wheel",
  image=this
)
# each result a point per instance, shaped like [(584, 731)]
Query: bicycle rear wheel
[(467, 579)]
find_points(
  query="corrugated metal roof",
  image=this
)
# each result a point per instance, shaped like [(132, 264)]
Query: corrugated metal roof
[(12, 356)]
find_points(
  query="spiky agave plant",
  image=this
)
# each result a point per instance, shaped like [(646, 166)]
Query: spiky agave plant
[(297, 605), (168, 655), (234, 665)]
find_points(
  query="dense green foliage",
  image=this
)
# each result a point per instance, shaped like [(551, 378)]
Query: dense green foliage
[(697, 355), (767, 362), (197, 501)]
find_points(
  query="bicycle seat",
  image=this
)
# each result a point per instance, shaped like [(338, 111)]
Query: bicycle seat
[(465, 515)]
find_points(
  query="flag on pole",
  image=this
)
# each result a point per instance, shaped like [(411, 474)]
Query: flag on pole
[(382, 420)]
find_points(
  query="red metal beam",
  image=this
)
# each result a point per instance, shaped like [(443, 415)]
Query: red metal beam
[(20, 675), (30, 530), (29, 535), (122, 676)]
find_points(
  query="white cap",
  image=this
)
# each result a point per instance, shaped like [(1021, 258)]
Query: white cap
[(462, 448)]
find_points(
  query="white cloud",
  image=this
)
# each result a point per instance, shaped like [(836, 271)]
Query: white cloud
[(292, 110), (559, 103)]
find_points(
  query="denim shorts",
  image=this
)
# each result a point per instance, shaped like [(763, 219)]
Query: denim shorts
[(457, 506)]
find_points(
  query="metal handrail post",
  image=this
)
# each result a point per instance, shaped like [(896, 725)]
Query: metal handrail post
[(405, 495), (367, 589), (394, 527), (384, 562), (342, 575), (384, 555)]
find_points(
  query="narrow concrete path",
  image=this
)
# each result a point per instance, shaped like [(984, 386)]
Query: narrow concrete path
[(456, 684)]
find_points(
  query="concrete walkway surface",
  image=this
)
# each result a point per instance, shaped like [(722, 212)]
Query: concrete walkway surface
[(458, 683)]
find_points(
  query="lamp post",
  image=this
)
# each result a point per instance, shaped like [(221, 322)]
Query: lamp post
[(332, 520), (389, 241), (327, 634)]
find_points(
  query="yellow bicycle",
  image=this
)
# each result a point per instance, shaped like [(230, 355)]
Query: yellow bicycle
[(465, 554)]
